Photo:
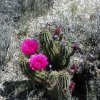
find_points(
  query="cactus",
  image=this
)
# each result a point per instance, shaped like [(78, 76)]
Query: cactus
[(60, 81), (38, 76), (57, 53), (63, 86)]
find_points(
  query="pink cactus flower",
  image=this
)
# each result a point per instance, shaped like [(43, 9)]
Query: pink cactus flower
[(29, 46), (38, 61), (73, 67), (72, 85)]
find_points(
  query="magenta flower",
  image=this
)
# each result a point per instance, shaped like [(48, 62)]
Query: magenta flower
[(73, 67), (38, 61), (29, 46), (72, 85)]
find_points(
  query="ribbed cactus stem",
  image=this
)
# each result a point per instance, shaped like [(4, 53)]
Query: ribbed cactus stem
[(56, 51), (48, 46), (63, 86), (63, 55)]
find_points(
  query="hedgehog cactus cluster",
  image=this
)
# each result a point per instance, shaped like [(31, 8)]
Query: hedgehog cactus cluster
[(56, 48), (47, 59)]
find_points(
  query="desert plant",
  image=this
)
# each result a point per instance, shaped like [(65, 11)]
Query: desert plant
[(56, 48), (52, 46)]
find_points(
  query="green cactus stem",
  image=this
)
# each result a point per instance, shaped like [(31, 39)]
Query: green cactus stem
[(57, 53)]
